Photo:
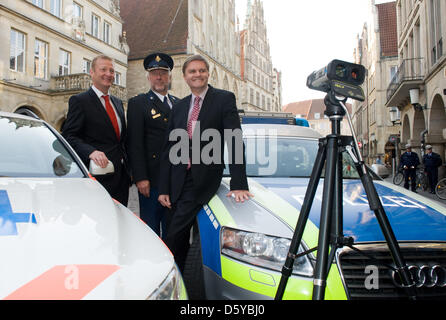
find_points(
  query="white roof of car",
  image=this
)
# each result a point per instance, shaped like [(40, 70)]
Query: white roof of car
[(16, 115), (281, 130)]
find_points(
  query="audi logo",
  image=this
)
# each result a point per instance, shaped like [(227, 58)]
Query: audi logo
[(424, 277)]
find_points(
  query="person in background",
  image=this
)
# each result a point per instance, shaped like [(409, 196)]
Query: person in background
[(409, 162), (431, 162)]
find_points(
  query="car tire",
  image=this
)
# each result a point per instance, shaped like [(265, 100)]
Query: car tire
[(193, 275)]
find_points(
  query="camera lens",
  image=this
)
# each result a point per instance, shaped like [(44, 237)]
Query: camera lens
[(355, 74), (341, 71)]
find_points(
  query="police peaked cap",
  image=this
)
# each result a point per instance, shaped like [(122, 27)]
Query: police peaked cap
[(158, 61)]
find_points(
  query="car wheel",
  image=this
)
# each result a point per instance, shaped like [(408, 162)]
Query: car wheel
[(193, 272)]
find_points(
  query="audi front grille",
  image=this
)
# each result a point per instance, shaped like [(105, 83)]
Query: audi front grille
[(371, 278)]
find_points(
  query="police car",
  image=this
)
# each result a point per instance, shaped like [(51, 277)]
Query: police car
[(240, 248), (61, 235)]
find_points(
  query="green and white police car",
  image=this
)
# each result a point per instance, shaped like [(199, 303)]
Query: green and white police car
[(239, 249)]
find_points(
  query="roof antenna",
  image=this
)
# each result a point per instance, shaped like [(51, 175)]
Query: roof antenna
[(173, 21)]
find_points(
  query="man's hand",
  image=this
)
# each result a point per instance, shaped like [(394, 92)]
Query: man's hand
[(164, 199), (144, 188), (99, 158), (240, 195)]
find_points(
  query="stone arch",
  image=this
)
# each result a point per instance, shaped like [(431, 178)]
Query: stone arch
[(235, 90), (31, 111), (405, 133), (437, 118), (226, 83), (419, 125), (214, 77), (59, 123)]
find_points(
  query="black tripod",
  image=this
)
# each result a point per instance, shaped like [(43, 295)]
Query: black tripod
[(331, 220)]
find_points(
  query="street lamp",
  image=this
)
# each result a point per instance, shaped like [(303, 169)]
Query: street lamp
[(415, 99), (395, 115)]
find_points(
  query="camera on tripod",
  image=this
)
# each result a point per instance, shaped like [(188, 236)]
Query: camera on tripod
[(341, 77)]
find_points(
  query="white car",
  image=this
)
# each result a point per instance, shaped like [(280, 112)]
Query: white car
[(61, 235)]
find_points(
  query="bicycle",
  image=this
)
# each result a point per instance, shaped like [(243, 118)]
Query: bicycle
[(421, 178), (440, 189), (399, 177)]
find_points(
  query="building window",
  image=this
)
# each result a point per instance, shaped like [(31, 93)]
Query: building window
[(86, 66), (64, 62), (17, 51), (41, 59), (435, 26), (56, 7), (393, 71), (38, 3), (118, 78), (94, 25), (373, 112), (251, 95), (107, 32), (77, 11)]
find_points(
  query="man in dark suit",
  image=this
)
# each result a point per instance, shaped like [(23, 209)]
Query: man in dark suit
[(95, 128), (187, 185), (147, 119), (432, 161)]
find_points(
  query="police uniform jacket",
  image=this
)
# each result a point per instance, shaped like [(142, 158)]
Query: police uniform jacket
[(432, 162), (147, 120), (410, 159)]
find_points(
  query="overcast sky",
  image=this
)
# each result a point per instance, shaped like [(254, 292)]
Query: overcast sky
[(305, 35)]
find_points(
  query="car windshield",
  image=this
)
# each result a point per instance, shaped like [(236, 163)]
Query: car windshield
[(286, 157), (30, 149)]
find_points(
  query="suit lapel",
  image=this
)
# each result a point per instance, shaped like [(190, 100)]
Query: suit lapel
[(206, 107), (185, 111)]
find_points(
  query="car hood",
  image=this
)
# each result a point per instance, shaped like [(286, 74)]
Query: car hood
[(412, 217), (66, 238)]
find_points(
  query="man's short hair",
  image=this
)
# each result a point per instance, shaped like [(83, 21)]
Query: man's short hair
[(196, 57), (100, 57)]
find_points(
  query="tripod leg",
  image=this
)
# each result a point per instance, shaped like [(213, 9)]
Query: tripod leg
[(320, 272), (303, 217), (392, 242)]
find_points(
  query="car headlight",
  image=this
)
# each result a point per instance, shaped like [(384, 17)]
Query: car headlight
[(262, 250), (172, 288)]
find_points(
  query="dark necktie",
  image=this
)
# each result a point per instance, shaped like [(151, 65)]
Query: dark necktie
[(112, 115), (166, 103)]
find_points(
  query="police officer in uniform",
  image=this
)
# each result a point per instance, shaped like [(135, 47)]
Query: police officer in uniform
[(409, 162), (147, 120), (432, 161)]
